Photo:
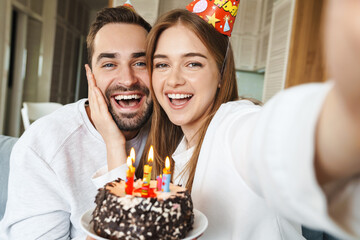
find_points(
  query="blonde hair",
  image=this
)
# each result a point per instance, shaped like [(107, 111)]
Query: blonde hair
[(164, 135)]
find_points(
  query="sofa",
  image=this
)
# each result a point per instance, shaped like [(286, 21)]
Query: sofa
[(6, 145)]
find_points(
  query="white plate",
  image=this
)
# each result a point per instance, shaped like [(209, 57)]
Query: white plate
[(199, 227)]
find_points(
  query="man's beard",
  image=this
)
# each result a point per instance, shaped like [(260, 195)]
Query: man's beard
[(131, 121)]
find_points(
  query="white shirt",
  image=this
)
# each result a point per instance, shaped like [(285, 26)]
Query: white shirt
[(50, 183), (255, 175), (181, 157)]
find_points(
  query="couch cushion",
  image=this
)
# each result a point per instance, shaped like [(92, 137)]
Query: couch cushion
[(6, 144)]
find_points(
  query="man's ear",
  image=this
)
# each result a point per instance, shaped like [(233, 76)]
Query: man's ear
[(90, 76)]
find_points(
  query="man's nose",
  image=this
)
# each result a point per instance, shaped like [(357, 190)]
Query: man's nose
[(126, 76), (176, 78)]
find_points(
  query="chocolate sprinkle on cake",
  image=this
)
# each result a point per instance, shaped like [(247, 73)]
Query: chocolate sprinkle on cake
[(118, 216)]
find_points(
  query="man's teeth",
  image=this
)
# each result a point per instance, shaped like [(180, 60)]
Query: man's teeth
[(179, 96), (127, 97)]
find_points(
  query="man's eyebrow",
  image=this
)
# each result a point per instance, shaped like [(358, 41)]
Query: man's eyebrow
[(138, 54), (115, 55), (106, 55)]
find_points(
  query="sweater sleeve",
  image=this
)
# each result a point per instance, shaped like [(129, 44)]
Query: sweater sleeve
[(103, 176), (36, 208), (280, 165)]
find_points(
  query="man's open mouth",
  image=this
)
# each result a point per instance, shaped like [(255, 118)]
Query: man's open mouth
[(127, 101)]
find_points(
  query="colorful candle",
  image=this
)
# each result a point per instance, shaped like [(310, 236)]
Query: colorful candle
[(148, 167), (158, 183), (166, 176), (129, 183), (145, 189)]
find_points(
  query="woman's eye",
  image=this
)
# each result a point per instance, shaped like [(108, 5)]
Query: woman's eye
[(108, 65), (161, 65), (195, 64)]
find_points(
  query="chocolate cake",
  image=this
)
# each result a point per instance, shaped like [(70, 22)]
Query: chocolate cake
[(160, 216)]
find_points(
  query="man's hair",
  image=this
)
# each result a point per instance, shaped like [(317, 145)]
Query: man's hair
[(105, 16)]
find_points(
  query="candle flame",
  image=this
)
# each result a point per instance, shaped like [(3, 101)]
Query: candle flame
[(151, 154), (167, 163), (129, 161), (132, 154)]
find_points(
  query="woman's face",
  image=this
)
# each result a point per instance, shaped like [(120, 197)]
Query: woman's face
[(185, 78)]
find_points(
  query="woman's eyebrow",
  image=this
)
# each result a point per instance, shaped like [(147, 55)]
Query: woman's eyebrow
[(194, 55), (159, 56), (184, 55)]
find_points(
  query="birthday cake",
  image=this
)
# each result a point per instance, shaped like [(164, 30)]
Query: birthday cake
[(159, 215)]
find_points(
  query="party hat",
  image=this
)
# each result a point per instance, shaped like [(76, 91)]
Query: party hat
[(219, 13), (129, 5)]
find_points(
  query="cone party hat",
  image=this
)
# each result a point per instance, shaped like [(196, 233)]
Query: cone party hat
[(129, 5), (219, 13)]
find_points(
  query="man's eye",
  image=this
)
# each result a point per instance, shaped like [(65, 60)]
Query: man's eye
[(140, 64), (108, 65)]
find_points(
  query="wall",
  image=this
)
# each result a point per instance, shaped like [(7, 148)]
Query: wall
[(5, 21), (250, 84)]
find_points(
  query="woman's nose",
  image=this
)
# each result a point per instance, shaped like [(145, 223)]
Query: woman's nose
[(176, 78)]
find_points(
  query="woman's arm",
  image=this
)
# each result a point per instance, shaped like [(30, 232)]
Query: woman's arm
[(338, 138), (338, 130), (104, 123)]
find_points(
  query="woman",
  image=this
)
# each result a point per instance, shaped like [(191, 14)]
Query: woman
[(255, 173)]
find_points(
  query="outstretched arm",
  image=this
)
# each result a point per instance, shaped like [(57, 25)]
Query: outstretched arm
[(338, 138), (338, 131), (104, 123)]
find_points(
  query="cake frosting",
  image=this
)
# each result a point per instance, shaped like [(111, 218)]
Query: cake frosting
[(160, 216)]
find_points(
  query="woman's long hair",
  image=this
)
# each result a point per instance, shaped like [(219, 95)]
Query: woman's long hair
[(164, 135)]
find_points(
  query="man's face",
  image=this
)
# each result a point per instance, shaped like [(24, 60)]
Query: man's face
[(118, 64)]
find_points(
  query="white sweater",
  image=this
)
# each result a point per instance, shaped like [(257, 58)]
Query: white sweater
[(51, 167), (255, 174)]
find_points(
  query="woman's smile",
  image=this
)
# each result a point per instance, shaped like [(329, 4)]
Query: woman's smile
[(185, 77)]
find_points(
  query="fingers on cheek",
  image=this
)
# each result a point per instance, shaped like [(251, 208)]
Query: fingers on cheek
[(98, 92)]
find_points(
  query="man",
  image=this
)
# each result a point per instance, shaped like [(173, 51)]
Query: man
[(52, 164)]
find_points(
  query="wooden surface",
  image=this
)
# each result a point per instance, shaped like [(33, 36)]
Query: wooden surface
[(306, 62)]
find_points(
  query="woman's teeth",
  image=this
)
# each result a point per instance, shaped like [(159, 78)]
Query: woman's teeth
[(179, 99), (179, 96)]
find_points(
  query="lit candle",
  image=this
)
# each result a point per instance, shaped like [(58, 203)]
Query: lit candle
[(129, 183), (166, 176), (132, 155), (145, 189), (158, 183), (148, 167)]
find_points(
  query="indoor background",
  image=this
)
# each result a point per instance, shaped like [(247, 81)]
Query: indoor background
[(276, 45)]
